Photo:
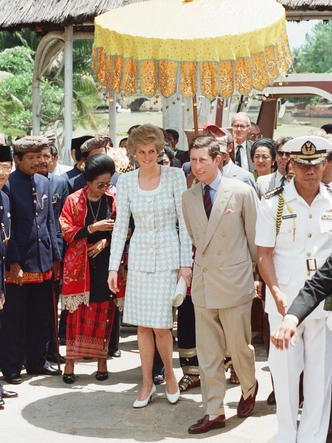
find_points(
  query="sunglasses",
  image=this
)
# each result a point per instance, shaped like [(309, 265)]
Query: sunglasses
[(282, 154)]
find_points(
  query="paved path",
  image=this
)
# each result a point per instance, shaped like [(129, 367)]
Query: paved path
[(49, 411)]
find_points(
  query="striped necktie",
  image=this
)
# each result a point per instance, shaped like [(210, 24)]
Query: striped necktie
[(207, 201)]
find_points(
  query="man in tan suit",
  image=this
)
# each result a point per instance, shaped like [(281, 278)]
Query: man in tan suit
[(223, 285)]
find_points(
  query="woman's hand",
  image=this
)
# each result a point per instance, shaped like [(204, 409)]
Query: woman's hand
[(186, 273), (102, 225), (113, 281), (96, 249)]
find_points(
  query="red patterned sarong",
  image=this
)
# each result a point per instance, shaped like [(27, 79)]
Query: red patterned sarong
[(89, 329)]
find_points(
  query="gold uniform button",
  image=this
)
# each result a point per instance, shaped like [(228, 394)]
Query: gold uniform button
[(1, 207), (38, 227), (36, 214), (204, 269), (35, 201), (219, 253), (309, 235), (310, 215), (39, 240), (308, 254), (220, 269), (289, 231), (223, 234), (308, 273), (203, 254)]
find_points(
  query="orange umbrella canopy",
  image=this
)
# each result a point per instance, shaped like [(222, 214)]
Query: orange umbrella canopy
[(174, 47)]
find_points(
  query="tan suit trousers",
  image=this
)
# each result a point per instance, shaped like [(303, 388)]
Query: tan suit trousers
[(219, 331)]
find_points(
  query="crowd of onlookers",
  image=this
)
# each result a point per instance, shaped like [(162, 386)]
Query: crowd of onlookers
[(242, 219)]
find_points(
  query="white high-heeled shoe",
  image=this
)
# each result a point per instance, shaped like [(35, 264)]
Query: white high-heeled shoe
[(173, 398), (143, 403)]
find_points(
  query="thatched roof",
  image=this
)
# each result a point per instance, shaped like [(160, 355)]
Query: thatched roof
[(303, 5), (307, 9), (51, 14)]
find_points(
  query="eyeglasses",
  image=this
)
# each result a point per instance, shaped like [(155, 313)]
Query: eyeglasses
[(254, 137), (101, 185), (5, 168), (238, 126), (282, 154)]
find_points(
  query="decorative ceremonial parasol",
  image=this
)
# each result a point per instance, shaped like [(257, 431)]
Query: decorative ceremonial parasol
[(183, 48)]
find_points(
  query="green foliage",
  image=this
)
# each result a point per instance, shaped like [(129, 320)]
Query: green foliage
[(24, 37), (17, 60), (82, 57), (16, 65), (316, 54), (16, 73)]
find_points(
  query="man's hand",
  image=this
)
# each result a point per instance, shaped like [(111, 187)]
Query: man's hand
[(129, 234), (285, 334), (56, 270), (258, 288), (281, 301), (16, 273)]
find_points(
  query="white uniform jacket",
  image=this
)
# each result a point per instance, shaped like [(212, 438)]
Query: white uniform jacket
[(303, 243)]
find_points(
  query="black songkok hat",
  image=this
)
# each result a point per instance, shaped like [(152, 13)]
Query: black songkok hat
[(6, 154)]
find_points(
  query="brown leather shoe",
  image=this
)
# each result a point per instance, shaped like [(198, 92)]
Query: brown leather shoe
[(246, 406), (204, 424)]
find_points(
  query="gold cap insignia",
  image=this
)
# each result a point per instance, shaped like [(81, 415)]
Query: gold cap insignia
[(308, 148)]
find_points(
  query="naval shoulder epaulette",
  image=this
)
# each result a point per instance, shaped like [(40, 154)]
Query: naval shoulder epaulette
[(327, 187), (273, 192)]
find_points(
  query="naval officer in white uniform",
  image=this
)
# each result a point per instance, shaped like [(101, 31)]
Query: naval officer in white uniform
[(294, 238)]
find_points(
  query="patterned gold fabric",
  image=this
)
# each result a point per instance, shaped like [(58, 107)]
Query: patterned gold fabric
[(216, 55), (31, 277)]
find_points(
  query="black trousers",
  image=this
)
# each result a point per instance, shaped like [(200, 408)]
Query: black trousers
[(187, 337), (115, 334), (52, 347), (32, 301)]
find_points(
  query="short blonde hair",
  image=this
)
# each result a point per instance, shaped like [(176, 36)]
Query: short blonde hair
[(144, 135)]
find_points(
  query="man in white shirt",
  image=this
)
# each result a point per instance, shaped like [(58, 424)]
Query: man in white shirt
[(230, 169), (241, 128), (54, 166)]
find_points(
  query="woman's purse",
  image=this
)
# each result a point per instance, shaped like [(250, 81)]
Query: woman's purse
[(180, 293)]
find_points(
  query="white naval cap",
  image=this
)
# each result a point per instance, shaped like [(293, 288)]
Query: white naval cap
[(308, 150)]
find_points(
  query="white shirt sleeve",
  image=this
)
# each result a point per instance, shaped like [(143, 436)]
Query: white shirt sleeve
[(266, 230)]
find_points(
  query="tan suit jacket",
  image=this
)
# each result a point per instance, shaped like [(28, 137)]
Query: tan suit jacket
[(225, 244), (223, 285)]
